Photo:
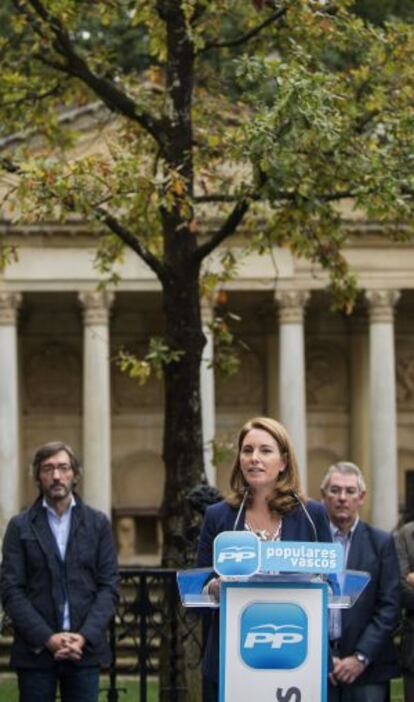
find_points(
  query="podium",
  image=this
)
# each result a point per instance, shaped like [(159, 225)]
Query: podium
[(274, 623)]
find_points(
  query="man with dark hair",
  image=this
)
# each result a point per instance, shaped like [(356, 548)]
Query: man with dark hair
[(59, 585), (364, 657)]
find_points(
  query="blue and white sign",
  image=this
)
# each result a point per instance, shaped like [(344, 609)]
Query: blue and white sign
[(273, 635), (301, 557), (236, 553), (242, 554), (273, 641)]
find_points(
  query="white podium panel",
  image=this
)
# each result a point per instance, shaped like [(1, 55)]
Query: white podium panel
[(273, 641)]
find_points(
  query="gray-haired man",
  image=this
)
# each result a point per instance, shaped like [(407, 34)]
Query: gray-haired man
[(364, 657), (59, 585)]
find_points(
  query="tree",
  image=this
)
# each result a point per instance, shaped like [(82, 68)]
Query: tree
[(268, 111), (263, 115)]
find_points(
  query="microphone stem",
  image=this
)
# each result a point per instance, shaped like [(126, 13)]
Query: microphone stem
[(243, 502), (306, 513)]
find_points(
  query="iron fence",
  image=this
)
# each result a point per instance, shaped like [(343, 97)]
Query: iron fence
[(150, 620)]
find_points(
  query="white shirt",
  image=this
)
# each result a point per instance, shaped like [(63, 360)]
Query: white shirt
[(60, 527)]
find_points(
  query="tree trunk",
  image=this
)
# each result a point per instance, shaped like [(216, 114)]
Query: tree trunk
[(183, 446), (183, 458), (182, 450)]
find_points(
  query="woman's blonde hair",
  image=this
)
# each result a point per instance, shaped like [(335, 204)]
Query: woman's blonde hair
[(282, 499)]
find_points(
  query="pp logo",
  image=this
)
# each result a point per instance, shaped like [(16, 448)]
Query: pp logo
[(273, 635), (236, 553)]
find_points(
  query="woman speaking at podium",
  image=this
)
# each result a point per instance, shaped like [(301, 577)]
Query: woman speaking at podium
[(266, 499)]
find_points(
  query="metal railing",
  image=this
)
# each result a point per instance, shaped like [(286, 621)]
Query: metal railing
[(148, 612)]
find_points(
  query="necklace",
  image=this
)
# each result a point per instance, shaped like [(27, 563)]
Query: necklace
[(265, 534)]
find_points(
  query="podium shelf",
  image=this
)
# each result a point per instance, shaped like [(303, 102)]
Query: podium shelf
[(344, 587)]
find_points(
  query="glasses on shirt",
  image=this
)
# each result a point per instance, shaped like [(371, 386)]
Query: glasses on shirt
[(48, 468), (349, 491)]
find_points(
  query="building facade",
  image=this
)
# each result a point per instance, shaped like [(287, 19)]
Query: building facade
[(342, 384)]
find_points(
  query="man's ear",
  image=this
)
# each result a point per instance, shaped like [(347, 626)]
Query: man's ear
[(362, 495)]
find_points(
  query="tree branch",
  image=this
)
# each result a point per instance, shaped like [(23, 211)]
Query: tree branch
[(247, 36), (282, 195), (216, 197), (7, 165), (240, 209), (228, 228), (113, 224), (132, 242), (75, 66), (33, 97)]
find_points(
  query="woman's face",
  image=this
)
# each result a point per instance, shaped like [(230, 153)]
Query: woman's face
[(260, 460)]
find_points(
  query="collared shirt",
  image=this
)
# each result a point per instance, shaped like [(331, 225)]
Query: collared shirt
[(345, 539), (60, 527)]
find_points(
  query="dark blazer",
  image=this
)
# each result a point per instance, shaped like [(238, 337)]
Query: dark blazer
[(404, 542), (368, 625), (30, 583), (221, 517)]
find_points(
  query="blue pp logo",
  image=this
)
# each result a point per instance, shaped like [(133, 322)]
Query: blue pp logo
[(273, 635), (236, 553)]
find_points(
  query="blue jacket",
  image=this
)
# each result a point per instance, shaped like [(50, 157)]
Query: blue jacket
[(368, 625), (221, 517), (30, 583)]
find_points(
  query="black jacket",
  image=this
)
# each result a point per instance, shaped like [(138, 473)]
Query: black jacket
[(30, 583), (369, 625)]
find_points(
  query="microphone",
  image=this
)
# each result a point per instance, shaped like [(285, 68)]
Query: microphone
[(311, 522), (306, 512), (243, 502)]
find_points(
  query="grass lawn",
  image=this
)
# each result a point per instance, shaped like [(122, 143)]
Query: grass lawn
[(8, 691), (397, 691)]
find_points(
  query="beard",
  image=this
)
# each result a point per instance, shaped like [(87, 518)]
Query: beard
[(58, 490)]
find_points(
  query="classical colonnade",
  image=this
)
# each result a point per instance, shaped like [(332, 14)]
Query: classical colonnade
[(96, 428), (290, 383)]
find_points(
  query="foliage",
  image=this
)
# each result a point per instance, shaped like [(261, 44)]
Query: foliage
[(226, 344), (159, 355), (315, 135), (8, 254)]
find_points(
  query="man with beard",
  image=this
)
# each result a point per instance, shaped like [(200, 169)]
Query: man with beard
[(364, 656), (59, 585)]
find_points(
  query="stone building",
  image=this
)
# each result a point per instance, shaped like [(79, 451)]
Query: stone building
[(344, 385)]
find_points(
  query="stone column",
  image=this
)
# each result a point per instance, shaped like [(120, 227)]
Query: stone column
[(359, 414), (272, 365), (208, 409), (96, 400), (383, 408), (292, 396), (9, 409)]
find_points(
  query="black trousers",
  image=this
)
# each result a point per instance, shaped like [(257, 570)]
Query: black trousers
[(359, 693), (210, 690)]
